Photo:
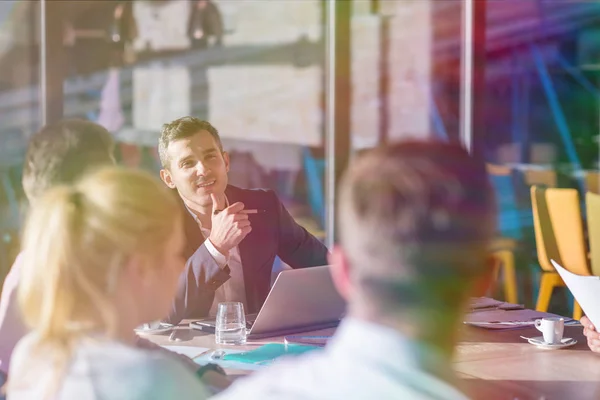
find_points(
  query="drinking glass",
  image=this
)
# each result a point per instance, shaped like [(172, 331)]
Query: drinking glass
[(231, 324)]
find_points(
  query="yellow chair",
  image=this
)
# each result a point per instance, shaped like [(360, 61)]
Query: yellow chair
[(592, 201), (559, 237)]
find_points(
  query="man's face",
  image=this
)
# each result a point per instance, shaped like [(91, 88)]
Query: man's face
[(197, 168)]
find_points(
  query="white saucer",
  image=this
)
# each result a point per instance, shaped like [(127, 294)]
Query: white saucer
[(154, 329), (539, 342)]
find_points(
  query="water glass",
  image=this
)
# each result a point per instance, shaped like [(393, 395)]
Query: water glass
[(231, 324)]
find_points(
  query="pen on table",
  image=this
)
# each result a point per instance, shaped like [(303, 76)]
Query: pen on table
[(253, 211), (173, 337)]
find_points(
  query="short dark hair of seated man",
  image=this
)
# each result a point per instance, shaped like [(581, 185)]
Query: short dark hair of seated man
[(62, 152), (230, 253), (415, 221), (183, 128)]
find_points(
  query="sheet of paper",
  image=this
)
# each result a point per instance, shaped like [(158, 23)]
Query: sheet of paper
[(190, 351), (586, 290)]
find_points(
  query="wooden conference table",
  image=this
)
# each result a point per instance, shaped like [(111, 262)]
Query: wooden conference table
[(491, 364)]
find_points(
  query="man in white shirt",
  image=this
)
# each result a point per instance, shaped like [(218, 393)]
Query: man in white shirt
[(415, 222)]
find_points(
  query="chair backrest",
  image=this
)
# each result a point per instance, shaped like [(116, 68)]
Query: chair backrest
[(592, 182), (314, 172), (508, 217), (559, 229), (540, 177), (592, 201)]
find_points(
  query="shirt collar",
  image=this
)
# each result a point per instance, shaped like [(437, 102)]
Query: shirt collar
[(196, 217), (384, 345)]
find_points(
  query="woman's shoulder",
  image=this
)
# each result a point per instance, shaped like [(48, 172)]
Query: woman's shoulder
[(22, 349), (166, 377), (149, 374), (152, 374)]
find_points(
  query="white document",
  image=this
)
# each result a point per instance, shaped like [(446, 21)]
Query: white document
[(190, 351), (585, 289)]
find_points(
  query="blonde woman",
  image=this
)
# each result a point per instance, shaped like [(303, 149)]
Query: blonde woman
[(99, 258)]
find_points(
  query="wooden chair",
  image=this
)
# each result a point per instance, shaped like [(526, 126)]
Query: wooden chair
[(559, 236), (592, 201)]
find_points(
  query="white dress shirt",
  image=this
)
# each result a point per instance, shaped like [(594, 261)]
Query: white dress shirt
[(362, 361), (234, 289)]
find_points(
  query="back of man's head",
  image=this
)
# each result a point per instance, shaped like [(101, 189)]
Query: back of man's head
[(415, 221), (62, 152)]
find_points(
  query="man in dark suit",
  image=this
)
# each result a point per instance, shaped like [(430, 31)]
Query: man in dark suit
[(233, 234)]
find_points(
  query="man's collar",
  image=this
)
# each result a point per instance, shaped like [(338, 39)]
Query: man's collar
[(196, 217), (386, 345)]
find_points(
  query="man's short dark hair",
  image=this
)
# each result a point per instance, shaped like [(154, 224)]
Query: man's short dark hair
[(62, 152), (183, 128), (416, 219)]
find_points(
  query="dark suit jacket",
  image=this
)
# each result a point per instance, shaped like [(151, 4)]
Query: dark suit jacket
[(274, 233)]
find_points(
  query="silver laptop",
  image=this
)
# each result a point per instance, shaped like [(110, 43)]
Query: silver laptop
[(300, 300)]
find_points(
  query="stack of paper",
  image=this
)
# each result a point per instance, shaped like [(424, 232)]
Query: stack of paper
[(507, 319), (483, 302)]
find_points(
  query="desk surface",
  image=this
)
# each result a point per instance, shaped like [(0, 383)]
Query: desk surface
[(492, 364)]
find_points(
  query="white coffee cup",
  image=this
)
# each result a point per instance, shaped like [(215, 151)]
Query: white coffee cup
[(552, 328)]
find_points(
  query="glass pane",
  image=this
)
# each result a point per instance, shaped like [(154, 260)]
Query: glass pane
[(405, 70), (19, 114), (251, 68), (541, 112)]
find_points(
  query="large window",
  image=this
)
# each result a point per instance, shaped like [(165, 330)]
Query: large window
[(258, 71), (405, 70), (253, 68), (541, 122), (19, 113)]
